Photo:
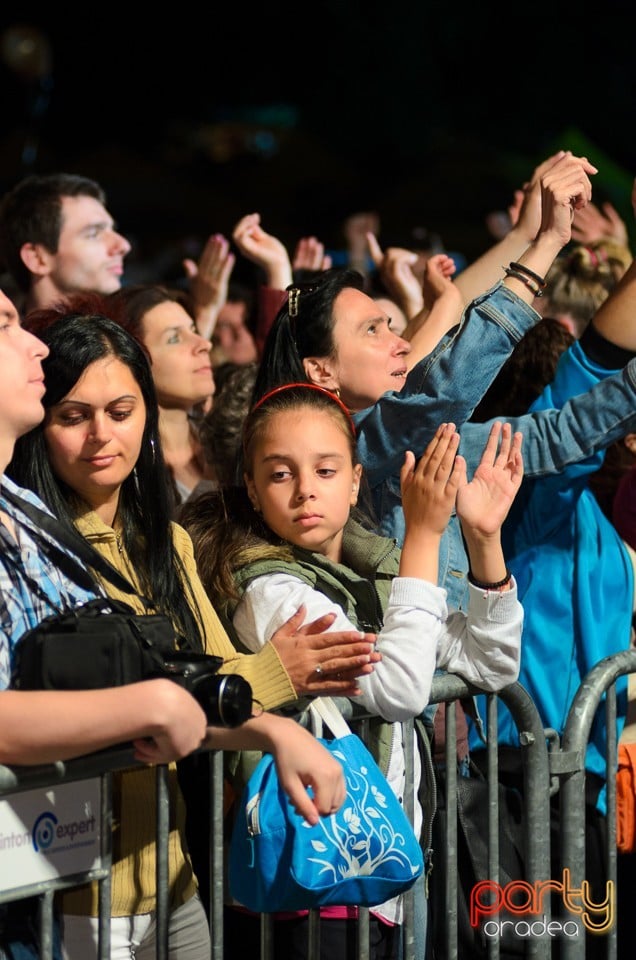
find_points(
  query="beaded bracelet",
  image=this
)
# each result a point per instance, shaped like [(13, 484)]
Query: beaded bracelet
[(530, 273), (490, 586), (527, 281)]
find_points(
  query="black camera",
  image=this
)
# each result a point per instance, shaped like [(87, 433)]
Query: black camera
[(226, 698), (104, 643)]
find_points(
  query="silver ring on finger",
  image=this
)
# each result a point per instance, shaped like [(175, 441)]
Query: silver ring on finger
[(318, 670)]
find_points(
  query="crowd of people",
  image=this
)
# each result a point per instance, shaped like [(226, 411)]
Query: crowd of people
[(340, 479)]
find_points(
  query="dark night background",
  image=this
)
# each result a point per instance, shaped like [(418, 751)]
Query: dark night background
[(429, 113)]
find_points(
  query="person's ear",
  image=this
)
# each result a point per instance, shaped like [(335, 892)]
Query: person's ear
[(36, 258), (355, 486), (320, 372), (251, 492)]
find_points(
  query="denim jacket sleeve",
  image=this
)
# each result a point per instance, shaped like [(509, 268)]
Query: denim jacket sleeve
[(587, 423), (446, 385)]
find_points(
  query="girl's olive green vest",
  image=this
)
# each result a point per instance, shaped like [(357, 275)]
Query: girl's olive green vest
[(360, 585)]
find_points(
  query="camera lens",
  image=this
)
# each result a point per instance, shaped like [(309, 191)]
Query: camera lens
[(226, 699)]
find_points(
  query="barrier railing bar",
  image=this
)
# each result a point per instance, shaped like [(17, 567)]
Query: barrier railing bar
[(575, 738), (563, 764)]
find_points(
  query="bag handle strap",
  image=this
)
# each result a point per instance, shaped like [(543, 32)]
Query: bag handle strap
[(328, 712), (74, 542)]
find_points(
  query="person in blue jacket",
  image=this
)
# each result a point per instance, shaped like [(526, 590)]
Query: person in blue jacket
[(576, 583)]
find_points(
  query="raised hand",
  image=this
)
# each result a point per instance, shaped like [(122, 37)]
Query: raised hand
[(355, 229), (527, 240), (394, 268), (592, 224), (483, 504), (263, 249), (438, 275), (310, 255), (443, 307), (429, 489), (208, 280), (565, 188), (525, 209)]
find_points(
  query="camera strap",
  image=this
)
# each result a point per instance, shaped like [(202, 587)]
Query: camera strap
[(70, 538)]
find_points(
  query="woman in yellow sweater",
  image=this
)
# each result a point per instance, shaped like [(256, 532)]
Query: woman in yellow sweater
[(96, 461)]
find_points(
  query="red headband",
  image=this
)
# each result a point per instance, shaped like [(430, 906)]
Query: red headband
[(308, 386)]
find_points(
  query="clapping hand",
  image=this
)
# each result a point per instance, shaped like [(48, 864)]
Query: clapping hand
[(209, 279), (483, 504)]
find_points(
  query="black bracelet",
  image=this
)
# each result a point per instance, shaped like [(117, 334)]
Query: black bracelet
[(490, 586), (535, 276), (526, 281)]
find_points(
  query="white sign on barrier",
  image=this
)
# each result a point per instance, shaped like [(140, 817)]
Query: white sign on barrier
[(49, 832)]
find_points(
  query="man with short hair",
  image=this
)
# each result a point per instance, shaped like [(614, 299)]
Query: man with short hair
[(57, 238)]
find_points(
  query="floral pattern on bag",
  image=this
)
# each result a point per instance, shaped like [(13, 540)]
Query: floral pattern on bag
[(369, 837)]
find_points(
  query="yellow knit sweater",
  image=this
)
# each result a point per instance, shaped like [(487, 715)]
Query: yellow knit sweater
[(134, 799)]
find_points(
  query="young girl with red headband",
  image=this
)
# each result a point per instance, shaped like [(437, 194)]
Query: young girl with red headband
[(290, 537)]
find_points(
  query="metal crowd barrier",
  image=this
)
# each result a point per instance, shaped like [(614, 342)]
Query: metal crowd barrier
[(546, 766), (536, 779), (599, 684)]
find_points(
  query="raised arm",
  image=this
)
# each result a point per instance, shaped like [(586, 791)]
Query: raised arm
[(443, 308), (616, 317), (209, 279), (449, 383), (593, 223), (309, 257), (263, 249), (394, 269), (484, 503), (487, 269), (554, 439)]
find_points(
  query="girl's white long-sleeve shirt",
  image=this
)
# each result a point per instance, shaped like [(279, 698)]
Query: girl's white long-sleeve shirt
[(418, 637)]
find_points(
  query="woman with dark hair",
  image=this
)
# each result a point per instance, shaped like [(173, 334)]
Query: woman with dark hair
[(73, 349), (96, 461), (332, 334), (162, 320)]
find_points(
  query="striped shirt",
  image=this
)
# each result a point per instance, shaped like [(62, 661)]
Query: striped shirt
[(31, 586)]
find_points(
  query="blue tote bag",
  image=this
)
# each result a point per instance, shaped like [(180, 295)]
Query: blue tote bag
[(363, 855)]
